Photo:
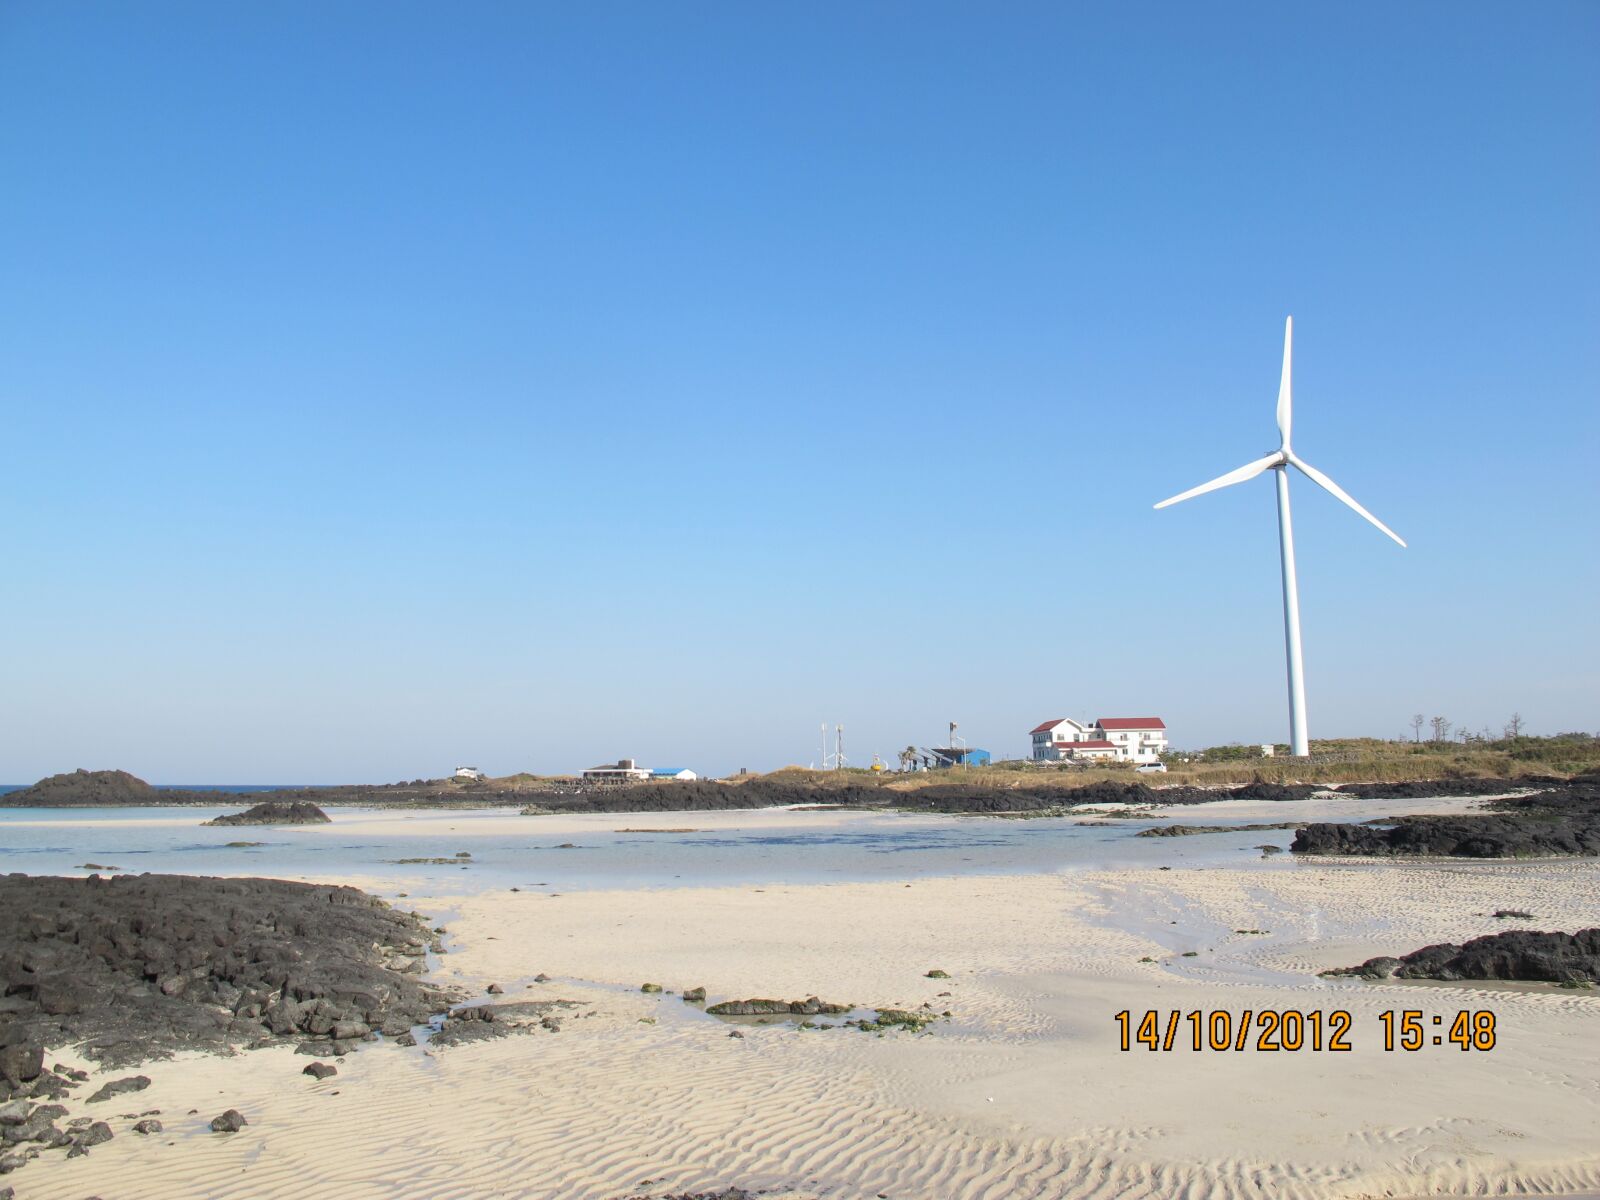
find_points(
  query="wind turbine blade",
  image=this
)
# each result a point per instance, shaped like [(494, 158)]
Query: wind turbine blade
[(1248, 471), (1329, 485), (1285, 396)]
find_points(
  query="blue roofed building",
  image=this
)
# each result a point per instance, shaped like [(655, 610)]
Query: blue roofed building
[(665, 773), (959, 756)]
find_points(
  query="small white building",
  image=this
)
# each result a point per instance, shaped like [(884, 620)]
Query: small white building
[(670, 774), (1122, 739), (624, 770), (468, 773)]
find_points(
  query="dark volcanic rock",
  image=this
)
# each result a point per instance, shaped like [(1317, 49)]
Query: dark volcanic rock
[(95, 1135), (147, 1126), (1516, 954), (20, 1064), (1261, 790), (952, 797), (82, 788), (1560, 821), (274, 812), (319, 1070), (482, 1022), (121, 1087), (1189, 830), (138, 966), (36, 1126), (229, 1122), (1425, 789), (704, 796), (90, 789), (750, 1008), (962, 798)]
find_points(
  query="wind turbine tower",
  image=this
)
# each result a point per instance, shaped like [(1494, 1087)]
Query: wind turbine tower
[(1279, 462)]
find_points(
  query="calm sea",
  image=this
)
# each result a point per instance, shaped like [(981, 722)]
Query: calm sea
[(193, 787)]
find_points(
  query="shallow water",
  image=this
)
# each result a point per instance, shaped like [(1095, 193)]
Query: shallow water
[(756, 848)]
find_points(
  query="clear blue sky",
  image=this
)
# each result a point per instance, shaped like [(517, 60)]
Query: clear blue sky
[(394, 386)]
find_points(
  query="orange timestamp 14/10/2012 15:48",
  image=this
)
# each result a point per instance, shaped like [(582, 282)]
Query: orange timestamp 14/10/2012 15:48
[(1271, 1030)]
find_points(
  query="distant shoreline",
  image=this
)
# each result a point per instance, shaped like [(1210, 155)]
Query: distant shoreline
[(951, 791)]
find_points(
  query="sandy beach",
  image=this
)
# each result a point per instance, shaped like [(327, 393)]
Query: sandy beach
[(1022, 1092)]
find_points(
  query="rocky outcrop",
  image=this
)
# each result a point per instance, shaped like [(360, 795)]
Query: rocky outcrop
[(1262, 790), (136, 967), (1190, 830), (26, 1129), (1570, 958), (81, 788), (273, 812), (482, 1022), (810, 1006), (954, 797), (1562, 821), (121, 1087), (1034, 793), (1426, 789)]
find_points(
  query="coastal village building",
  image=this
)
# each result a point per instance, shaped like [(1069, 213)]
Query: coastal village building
[(468, 773), (624, 770), (945, 757), (1119, 739)]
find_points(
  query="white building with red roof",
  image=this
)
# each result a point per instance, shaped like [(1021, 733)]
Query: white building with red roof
[(1066, 738), (1137, 739), (1124, 739)]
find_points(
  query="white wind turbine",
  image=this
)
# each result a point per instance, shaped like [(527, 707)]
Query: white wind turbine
[(1280, 461)]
